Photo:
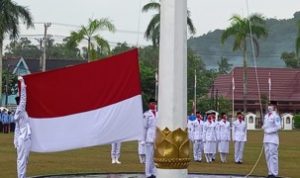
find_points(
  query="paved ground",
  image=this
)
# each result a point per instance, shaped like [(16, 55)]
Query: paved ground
[(134, 176)]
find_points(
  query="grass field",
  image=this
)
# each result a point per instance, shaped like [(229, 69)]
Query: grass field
[(97, 159)]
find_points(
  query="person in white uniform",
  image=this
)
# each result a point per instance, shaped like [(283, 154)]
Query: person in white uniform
[(215, 120), (209, 138), (271, 126), (239, 129), (223, 137), (198, 137), (22, 137), (115, 152), (150, 117)]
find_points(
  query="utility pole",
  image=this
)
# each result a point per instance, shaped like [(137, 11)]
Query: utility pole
[(46, 26)]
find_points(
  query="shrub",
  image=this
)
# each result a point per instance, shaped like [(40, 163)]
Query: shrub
[(297, 121)]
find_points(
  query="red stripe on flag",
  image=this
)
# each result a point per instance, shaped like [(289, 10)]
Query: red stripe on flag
[(84, 87)]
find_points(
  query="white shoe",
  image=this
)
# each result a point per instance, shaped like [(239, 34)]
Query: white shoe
[(113, 161), (118, 162)]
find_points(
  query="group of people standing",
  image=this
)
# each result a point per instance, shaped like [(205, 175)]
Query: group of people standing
[(211, 135), (6, 121)]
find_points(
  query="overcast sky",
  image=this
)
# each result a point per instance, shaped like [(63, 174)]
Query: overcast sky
[(126, 15)]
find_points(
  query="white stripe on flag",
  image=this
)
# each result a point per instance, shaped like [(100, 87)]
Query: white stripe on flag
[(121, 121)]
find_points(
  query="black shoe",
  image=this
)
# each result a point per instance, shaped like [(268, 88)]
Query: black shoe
[(213, 159), (152, 176), (240, 162)]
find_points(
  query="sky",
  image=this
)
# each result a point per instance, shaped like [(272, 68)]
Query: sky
[(130, 22)]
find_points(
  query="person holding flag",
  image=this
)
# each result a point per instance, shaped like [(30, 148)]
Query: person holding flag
[(22, 139)]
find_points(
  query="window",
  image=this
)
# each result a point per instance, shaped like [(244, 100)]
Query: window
[(288, 120), (251, 120)]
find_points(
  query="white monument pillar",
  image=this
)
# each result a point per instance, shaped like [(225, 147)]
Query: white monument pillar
[(172, 144)]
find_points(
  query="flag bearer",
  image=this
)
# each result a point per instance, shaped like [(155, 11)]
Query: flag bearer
[(271, 126), (22, 139), (150, 117), (223, 135), (115, 152)]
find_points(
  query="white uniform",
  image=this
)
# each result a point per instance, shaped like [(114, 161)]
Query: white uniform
[(115, 152), (271, 141), (223, 137), (209, 139), (190, 127), (198, 139), (142, 145), (239, 134), (149, 138), (22, 139)]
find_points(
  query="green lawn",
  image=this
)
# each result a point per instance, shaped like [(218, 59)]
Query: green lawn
[(97, 159)]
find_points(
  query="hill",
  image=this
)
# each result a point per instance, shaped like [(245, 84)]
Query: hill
[(281, 37)]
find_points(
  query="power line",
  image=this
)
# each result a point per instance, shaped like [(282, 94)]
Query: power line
[(78, 26)]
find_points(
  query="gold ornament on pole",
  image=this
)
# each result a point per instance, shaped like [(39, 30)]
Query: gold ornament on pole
[(171, 150)]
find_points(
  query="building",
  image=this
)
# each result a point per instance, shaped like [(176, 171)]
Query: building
[(281, 85), (21, 66)]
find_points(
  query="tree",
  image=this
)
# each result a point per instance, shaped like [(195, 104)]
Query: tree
[(97, 45), (298, 41), (152, 31), (243, 29), (121, 47), (290, 59), (22, 48), (224, 66), (10, 15)]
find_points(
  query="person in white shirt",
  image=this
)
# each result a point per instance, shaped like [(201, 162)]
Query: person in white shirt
[(223, 137), (115, 152), (209, 138), (22, 137), (239, 129), (271, 126), (150, 117), (190, 126), (197, 137), (215, 146)]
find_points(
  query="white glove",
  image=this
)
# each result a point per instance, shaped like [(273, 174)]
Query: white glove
[(20, 78)]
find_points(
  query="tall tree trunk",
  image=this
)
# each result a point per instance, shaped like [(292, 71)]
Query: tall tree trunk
[(89, 49), (245, 80), (1, 69)]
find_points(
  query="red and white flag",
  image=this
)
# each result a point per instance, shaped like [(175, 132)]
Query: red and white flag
[(85, 105)]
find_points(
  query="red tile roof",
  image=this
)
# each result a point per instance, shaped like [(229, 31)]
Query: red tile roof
[(285, 84)]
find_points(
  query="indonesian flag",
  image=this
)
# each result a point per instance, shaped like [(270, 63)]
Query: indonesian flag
[(85, 105)]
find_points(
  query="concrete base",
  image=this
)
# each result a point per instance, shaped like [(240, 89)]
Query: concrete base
[(172, 173)]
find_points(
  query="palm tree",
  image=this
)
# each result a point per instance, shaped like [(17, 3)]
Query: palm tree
[(10, 15), (96, 43), (243, 29), (152, 31)]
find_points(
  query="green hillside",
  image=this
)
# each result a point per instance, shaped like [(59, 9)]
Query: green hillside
[(281, 37)]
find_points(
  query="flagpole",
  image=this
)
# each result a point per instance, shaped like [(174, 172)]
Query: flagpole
[(269, 82), (233, 88), (195, 93), (172, 144)]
